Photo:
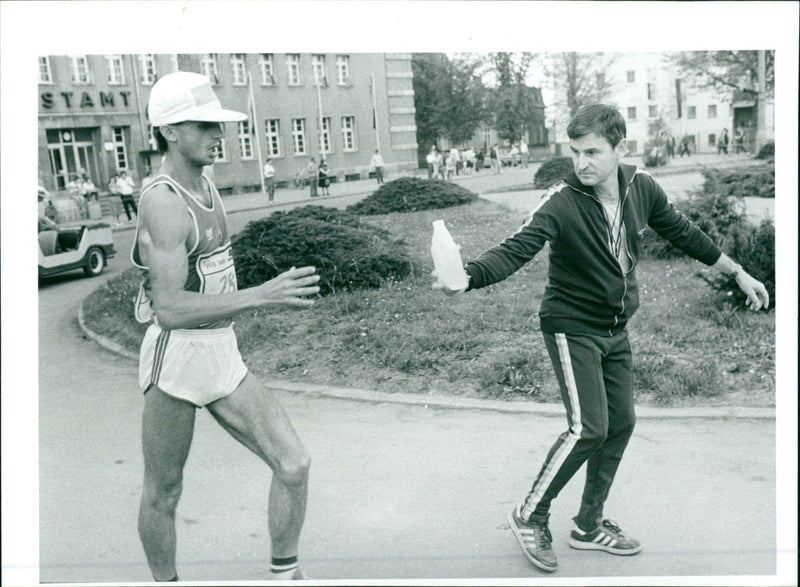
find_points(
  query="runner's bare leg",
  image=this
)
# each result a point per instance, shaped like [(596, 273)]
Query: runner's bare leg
[(167, 430), (253, 416)]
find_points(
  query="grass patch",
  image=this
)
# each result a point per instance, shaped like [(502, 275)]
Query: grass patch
[(689, 348)]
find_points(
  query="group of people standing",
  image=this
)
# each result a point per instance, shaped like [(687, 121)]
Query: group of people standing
[(316, 175), (724, 140), (456, 163)]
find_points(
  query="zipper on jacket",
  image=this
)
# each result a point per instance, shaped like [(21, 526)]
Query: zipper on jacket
[(611, 248)]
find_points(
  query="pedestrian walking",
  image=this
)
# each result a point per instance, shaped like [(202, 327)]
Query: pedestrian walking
[(592, 222), (524, 154), (323, 178), (685, 146), (312, 172), (430, 159), (738, 141), (722, 142), (125, 187), (451, 164), (377, 163), (269, 179), (671, 147), (494, 156), (189, 357)]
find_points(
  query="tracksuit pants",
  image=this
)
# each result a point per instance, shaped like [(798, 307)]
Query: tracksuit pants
[(596, 380)]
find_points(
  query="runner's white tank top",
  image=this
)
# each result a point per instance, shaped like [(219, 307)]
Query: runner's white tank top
[(210, 260)]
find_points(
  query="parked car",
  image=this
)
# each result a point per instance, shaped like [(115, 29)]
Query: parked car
[(87, 246)]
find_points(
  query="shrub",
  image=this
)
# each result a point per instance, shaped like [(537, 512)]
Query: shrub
[(551, 172), (753, 247), (767, 151), (715, 215), (749, 181), (346, 253), (411, 194)]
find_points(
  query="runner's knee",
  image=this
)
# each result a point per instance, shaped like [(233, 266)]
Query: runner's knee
[(163, 495), (293, 470)]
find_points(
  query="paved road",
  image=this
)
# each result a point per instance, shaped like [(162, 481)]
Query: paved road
[(398, 492)]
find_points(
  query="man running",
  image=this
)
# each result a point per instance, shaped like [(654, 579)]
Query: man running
[(189, 357), (592, 221)]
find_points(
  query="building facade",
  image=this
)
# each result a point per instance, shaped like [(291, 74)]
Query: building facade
[(341, 107), (645, 89)]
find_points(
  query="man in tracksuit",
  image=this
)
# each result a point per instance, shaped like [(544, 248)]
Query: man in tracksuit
[(593, 221)]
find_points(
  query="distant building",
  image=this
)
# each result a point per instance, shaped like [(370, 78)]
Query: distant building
[(644, 87), (334, 105)]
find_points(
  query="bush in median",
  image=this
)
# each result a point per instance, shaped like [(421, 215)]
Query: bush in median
[(347, 253), (412, 194), (551, 172)]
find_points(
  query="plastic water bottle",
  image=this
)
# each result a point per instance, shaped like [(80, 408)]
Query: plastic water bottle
[(447, 258)]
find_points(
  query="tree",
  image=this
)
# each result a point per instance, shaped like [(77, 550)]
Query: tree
[(726, 71), (513, 103), (577, 79), (448, 98)]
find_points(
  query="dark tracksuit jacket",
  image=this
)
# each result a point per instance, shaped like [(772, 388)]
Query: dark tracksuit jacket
[(589, 294), (587, 291)]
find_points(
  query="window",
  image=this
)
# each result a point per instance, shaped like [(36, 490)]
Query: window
[(245, 140), (45, 75), (600, 79), (691, 112), (652, 111), (632, 146), (712, 110), (325, 136), (220, 152), (630, 76), (348, 133), (79, 65), (273, 138), (147, 67), (208, 65), (293, 67), (239, 71), (342, 69), (712, 139), (120, 152), (651, 91), (174, 62), (318, 67), (114, 71), (267, 69), (299, 135), (632, 113)]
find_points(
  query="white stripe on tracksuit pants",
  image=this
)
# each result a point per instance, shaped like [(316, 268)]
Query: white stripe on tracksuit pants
[(596, 381)]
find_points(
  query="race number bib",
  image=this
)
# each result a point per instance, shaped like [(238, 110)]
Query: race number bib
[(216, 271)]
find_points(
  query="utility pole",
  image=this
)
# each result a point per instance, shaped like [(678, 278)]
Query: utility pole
[(254, 130), (375, 114), (320, 129), (761, 117)]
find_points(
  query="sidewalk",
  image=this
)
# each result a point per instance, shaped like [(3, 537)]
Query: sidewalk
[(483, 181)]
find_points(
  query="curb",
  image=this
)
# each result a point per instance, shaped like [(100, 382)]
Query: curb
[(433, 401)]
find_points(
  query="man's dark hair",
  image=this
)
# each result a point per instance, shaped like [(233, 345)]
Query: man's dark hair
[(161, 142), (602, 119)]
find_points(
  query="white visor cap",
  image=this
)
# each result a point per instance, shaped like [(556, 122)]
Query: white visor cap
[(182, 96)]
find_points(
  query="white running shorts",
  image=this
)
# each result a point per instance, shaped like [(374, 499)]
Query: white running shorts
[(199, 366)]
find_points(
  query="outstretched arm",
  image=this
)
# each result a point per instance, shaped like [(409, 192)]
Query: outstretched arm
[(757, 296), (165, 229)]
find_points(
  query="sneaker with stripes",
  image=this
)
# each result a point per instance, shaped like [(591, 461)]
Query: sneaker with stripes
[(535, 539), (607, 537)]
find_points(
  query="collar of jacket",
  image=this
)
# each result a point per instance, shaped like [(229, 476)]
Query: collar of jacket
[(625, 175)]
